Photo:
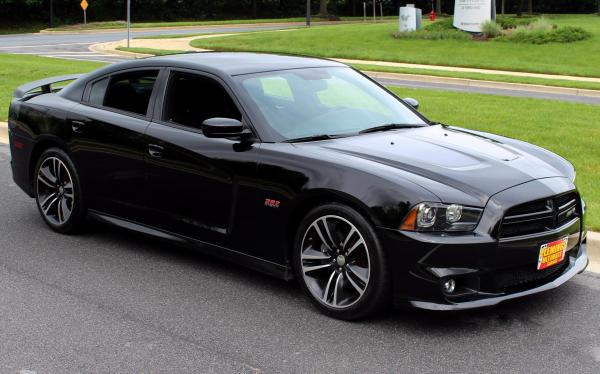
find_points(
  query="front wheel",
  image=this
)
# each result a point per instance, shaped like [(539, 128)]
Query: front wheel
[(58, 192), (340, 264)]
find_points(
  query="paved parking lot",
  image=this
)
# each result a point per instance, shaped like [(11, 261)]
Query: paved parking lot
[(111, 301)]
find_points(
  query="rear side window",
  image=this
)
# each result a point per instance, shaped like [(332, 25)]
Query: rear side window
[(129, 92), (97, 92)]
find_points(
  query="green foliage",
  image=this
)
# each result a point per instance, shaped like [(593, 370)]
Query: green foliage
[(433, 35), (491, 29), (440, 25), (508, 22), (543, 35)]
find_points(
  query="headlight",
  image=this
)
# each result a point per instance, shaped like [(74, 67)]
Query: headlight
[(441, 217)]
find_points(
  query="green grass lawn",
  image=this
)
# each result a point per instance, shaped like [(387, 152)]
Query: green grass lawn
[(19, 69), (373, 42), (569, 129)]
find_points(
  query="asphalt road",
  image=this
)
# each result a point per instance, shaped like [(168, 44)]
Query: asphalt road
[(112, 301), (75, 46)]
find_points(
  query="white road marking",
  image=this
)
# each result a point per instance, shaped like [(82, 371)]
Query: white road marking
[(41, 45)]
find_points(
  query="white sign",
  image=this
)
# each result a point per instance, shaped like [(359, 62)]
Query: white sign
[(470, 14), (408, 19)]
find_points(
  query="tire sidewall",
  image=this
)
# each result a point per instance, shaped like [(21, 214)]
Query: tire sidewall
[(78, 211), (376, 294)]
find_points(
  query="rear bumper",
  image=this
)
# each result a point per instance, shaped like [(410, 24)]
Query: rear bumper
[(575, 266)]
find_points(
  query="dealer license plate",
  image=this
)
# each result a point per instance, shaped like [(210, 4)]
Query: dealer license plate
[(552, 253)]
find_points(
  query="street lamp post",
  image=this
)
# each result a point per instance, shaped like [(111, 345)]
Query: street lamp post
[(128, 21)]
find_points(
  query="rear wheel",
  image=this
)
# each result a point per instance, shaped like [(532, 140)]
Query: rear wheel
[(58, 192), (340, 264)]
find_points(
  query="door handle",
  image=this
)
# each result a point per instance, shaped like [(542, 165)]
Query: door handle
[(77, 126), (155, 150)]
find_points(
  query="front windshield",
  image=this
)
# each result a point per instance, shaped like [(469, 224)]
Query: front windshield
[(323, 101)]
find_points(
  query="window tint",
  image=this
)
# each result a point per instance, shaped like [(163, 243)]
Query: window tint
[(130, 91), (191, 99), (97, 92)]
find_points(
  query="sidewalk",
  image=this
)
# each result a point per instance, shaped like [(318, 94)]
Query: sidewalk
[(3, 133)]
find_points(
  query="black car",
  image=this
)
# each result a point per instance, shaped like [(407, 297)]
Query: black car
[(301, 168)]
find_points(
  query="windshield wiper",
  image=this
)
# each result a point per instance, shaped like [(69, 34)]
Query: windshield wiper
[(386, 127), (312, 138)]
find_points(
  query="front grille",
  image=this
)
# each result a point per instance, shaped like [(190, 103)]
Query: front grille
[(540, 215), (512, 279)]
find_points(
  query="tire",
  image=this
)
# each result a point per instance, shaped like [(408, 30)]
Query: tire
[(347, 277), (58, 193)]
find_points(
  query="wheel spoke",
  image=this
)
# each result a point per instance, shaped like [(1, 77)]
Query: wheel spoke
[(353, 283), (318, 230), (48, 198), (348, 237), (47, 208), (335, 290), (60, 214), (46, 177), (57, 164), (326, 293), (358, 243), (307, 269), (357, 273), (324, 220), (318, 256)]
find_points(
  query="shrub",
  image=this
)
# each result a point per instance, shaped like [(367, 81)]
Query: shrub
[(540, 24), (490, 29), (541, 35), (433, 35), (507, 22)]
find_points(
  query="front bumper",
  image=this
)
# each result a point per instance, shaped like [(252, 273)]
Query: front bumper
[(575, 266)]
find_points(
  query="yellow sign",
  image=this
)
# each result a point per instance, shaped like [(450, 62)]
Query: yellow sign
[(84, 4)]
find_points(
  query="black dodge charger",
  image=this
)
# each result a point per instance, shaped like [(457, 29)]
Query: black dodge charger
[(301, 168)]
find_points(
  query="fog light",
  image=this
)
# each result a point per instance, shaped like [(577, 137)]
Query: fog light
[(449, 286)]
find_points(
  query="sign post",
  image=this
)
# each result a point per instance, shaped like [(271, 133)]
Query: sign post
[(128, 21), (84, 6)]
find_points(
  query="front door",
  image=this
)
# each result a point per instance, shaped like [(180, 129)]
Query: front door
[(192, 180)]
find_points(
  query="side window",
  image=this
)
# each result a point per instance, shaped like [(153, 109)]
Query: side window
[(130, 91), (97, 92), (191, 99)]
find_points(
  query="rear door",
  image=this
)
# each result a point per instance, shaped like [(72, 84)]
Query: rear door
[(108, 141)]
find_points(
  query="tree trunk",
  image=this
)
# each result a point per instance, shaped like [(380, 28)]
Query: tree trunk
[(323, 8), (438, 7), (530, 7), (521, 6), (354, 8), (254, 8), (502, 7), (599, 7)]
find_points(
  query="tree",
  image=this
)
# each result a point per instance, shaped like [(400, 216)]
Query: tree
[(323, 8), (521, 7), (438, 7), (530, 7), (599, 7), (502, 6)]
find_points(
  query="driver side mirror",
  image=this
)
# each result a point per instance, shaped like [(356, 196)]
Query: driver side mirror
[(222, 128), (412, 102)]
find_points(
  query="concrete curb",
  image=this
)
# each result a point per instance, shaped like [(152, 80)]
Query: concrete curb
[(593, 247), (3, 132), (486, 84)]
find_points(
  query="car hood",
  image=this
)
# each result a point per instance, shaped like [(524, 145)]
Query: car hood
[(477, 164)]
